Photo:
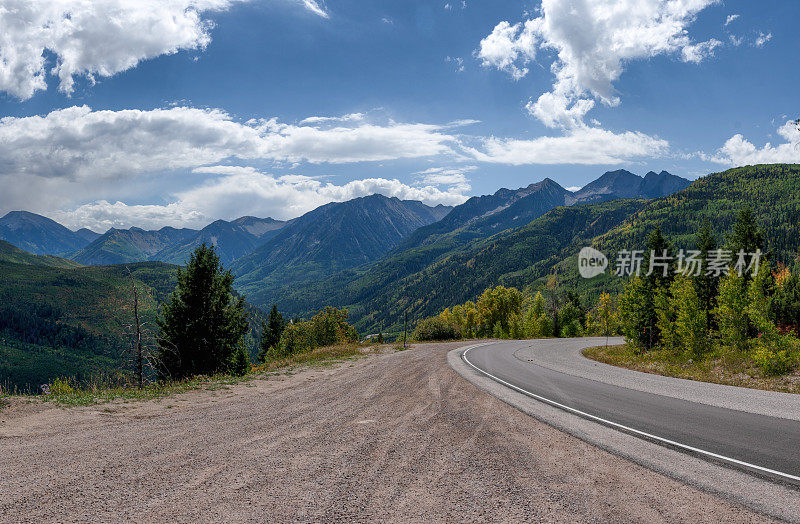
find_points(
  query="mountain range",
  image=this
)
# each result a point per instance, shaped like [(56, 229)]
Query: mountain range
[(383, 258)]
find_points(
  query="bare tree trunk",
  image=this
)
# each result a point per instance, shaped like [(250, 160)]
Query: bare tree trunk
[(138, 337)]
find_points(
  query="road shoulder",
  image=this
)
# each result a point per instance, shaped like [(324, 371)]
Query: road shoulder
[(554, 356), (763, 496)]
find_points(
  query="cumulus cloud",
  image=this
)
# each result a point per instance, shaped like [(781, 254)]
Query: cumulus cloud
[(730, 19), (79, 143), (510, 47), (738, 151), (246, 191), (93, 38), (589, 146), (592, 40)]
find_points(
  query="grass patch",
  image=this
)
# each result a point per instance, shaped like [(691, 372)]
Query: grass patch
[(719, 366), (64, 392)]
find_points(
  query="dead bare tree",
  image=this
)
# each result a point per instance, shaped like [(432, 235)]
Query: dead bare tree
[(142, 353)]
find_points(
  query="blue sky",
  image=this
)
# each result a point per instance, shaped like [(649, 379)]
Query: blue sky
[(272, 107)]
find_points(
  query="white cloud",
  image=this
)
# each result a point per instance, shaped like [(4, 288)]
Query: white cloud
[(77, 143), (592, 39), (246, 191), (696, 53), (573, 188), (738, 151), (458, 63), (584, 145), (97, 38), (762, 39), (455, 177), (352, 117), (730, 19), (509, 45), (318, 8)]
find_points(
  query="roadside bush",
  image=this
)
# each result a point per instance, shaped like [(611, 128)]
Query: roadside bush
[(436, 328), (62, 386), (773, 363), (326, 328)]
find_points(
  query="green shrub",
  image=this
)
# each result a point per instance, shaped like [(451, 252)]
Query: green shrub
[(436, 328), (326, 328), (62, 386), (773, 363)]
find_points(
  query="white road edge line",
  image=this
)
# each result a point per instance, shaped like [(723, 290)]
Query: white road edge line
[(623, 427)]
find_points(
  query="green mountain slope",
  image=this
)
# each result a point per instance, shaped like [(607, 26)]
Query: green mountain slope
[(510, 257), (425, 279), (772, 192), (330, 238), (57, 321), (120, 246), (13, 254)]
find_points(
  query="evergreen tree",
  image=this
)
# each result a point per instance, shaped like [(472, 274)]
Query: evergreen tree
[(203, 323), (731, 310), (656, 280), (240, 361), (690, 322), (746, 237), (635, 307), (271, 332), (707, 286)]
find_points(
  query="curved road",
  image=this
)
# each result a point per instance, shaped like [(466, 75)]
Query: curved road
[(757, 443)]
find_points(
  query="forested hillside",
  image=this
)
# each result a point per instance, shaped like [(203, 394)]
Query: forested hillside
[(57, 319), (426, 279)]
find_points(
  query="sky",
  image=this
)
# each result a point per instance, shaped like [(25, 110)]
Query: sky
[(179, 112)]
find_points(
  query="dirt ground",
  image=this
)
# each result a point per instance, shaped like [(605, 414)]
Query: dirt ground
[(396, 437)]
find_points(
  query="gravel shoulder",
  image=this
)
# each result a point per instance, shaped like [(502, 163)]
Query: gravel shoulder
[(396, 437), (557, 356)]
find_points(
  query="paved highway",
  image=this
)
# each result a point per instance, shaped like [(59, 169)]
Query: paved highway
[(760, 444)]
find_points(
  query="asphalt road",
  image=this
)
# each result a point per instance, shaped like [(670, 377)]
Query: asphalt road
[(763, 441)]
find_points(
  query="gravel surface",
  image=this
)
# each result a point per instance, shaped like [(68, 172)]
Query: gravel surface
[(558, 355), (398, 437)]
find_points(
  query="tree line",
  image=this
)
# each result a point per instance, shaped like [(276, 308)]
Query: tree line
[(756, 313)]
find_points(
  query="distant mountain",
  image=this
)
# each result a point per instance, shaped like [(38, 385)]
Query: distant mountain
[(14, 255), (120, 246), (440, 247), (624, 184), (232, 240), (490, 214), (39, 235), (88, 235), (335, 236), (657, 185)]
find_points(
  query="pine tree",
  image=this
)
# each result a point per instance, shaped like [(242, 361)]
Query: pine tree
[(707, 285), (271, 331), (240, 361), (203, 323), (635, 307), (746, 237)]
